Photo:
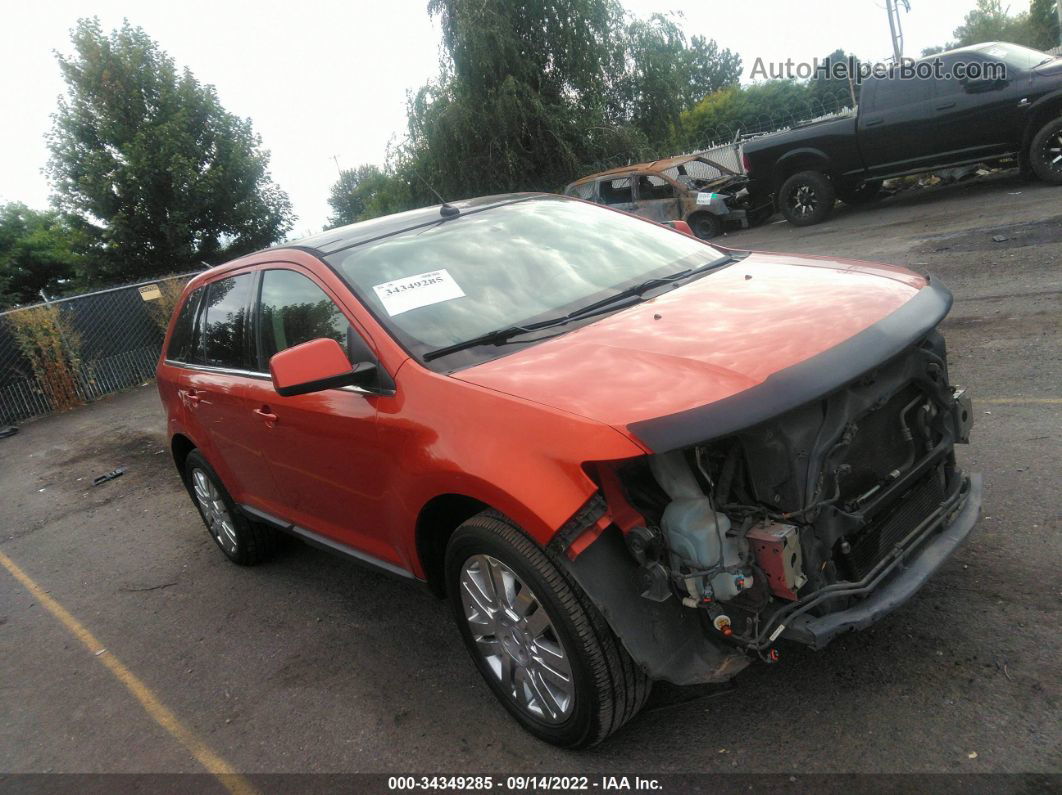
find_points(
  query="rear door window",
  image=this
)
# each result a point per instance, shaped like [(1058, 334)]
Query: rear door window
[(182, 339), (617, 191), (224, 328), (293, 310), (652, 187), (896, 92)]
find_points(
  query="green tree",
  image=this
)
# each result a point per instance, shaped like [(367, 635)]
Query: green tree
[(347, 198), (1044, 32), (757, 108), (153, 172), (990, 21), (533, 94), (830, 93), (367, 192), (35, 253), (665, 75)]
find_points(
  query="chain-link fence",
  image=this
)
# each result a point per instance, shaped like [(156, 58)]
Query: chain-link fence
[(68, 351)]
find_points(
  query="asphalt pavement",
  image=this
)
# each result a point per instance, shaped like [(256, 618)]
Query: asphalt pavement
[(311, 664)]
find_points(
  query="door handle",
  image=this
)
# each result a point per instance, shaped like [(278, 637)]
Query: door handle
[(267, 415), (193, 396), (946, 106)]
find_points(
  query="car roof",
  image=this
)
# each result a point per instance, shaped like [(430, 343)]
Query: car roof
[(982, 47), (342, 237), (652, 166)]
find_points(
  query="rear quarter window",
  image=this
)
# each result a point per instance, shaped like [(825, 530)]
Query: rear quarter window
[(584, 191), (181, 341)]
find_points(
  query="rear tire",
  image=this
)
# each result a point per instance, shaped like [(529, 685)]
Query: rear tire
[(541, 631), (244, 542), (1045, 152), (807, 198)]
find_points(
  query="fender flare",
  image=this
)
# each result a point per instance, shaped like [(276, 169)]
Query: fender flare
[(1032, 113), (805, 153)]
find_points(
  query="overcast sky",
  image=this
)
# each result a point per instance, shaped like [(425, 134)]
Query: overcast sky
[(322, 79)]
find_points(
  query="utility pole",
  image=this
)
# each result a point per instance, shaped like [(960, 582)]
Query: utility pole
[(895, 27)]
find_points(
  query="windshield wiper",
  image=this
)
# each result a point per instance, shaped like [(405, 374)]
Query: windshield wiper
[(620, 300), (498, 336)]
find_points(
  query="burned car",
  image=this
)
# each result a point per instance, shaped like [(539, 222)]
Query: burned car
[(623, 454), (691, 188)]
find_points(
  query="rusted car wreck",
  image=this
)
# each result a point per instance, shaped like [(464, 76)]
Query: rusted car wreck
[(691, 188)]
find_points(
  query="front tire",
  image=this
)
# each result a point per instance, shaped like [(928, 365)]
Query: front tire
[(705, 225), (542, 647), (243, 542), (1045, 152), (807, 198)]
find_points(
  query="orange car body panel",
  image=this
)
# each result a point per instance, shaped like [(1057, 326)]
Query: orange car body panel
[(710, 340), (359, 468), (515, 432)]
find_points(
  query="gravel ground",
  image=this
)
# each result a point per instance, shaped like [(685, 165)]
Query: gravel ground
[(310, 664)]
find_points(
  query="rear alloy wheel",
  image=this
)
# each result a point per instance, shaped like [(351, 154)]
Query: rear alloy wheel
[(243, 542), (542, 647), (1045, 153), (705, 225), (807, 198)]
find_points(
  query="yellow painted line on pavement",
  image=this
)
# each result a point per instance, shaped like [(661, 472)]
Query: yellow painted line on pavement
[(222, 770), (1020, 401)]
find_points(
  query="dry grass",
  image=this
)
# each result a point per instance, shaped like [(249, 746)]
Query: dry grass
[(51, 347), (161, 309)]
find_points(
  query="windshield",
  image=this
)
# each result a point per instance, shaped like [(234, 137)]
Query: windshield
[(1016, 56), (506, 266)]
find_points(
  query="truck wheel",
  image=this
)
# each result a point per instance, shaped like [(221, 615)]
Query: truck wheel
[(243, 542), (807, 198), (861, 194), (1045, 153), (539, 643), (705, 225)]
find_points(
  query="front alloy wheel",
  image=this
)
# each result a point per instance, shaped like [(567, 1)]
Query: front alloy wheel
[(540, 644), (515, 636)]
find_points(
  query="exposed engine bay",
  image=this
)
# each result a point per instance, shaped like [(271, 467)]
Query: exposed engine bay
[(767, 529)]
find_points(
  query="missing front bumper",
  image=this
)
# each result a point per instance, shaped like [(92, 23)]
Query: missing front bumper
[(902, 583)]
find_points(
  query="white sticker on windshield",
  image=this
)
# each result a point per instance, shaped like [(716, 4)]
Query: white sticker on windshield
[(412, 292)]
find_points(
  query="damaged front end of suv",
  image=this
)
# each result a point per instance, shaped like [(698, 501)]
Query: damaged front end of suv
[(812, 506)]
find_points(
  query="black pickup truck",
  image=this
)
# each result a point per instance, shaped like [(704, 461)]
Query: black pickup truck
[(908, 125)]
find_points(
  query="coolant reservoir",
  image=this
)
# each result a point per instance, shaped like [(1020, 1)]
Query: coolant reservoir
[(695, 531)]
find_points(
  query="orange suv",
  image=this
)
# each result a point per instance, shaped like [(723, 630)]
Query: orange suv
[(623, 454)]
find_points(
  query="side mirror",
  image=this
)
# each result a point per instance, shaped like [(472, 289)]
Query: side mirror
[(315, 366)]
